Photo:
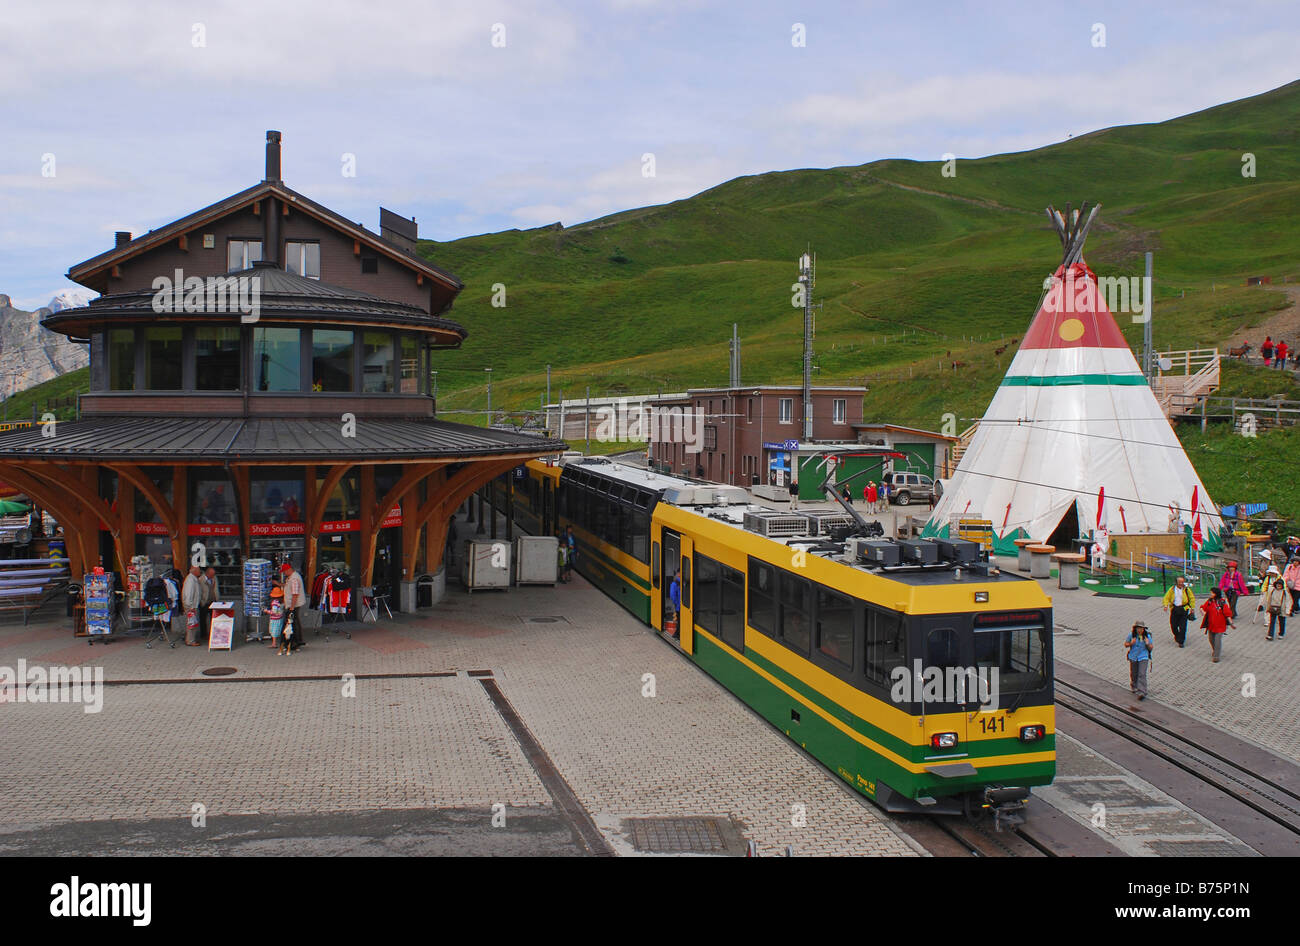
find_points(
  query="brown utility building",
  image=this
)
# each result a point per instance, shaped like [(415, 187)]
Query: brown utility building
[(259, 383), (750, 435)]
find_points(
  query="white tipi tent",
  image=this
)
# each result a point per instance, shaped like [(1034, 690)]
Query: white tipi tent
[(1074, 416)]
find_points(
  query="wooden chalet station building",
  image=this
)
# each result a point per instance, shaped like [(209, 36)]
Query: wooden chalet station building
[(294, 423)]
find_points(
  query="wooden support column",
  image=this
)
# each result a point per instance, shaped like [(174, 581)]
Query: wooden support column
[(62, 506), (126, 519), (243, 491), (309, 542), (316, 512), (172, 514), (436, 511), (410, 479), (369, 526), (181, 505)]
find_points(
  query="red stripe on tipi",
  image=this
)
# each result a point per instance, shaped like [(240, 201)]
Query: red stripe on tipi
[(1074, 314)]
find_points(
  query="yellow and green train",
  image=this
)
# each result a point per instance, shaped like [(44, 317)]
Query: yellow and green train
[(868, 660)]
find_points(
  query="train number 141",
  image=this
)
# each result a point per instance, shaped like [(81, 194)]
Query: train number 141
[(995, 724)]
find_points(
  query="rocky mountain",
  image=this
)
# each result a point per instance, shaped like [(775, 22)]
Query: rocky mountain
[(30, 353)]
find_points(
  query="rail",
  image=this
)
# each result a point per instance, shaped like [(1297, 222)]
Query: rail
[(1193, 375), (1245, 413)]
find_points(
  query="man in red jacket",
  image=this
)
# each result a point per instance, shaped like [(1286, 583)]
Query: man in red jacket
[(1279, 359), (1218, 618)]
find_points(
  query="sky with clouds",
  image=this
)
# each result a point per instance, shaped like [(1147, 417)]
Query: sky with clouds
[(490, 114)]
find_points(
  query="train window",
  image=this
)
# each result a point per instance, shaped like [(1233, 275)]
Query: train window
[(1018, 654), (707, 593), (641, 534), (762, 596), (885, 645), (942, 648), (731, 611), (795, 628), (835, 625), (686, 582), (654, 565)]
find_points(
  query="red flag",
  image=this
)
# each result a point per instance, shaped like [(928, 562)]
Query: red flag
[(1101, 508), (1198, 537)]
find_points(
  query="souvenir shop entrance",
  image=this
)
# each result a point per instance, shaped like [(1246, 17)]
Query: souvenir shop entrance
[(337, 557)]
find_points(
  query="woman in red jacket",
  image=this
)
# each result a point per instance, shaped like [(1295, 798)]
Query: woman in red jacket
[(1218, 618)]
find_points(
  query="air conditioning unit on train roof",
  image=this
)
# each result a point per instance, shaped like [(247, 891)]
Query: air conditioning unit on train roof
[(821, 522), (776, 525)]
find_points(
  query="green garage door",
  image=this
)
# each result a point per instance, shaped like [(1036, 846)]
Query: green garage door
[(920, 458)]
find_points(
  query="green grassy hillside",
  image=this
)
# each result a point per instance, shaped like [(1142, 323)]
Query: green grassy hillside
[(911, 264)]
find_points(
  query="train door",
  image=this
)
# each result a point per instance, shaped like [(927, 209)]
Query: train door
[(686, 622), (947, 694), (670, 556)]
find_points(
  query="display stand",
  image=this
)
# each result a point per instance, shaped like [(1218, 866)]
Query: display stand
[(257, 596), (100, 596)]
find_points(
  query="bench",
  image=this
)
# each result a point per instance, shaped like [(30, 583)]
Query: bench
[(1022, 553), (1068, 569), (1040, 560), (26, 589)]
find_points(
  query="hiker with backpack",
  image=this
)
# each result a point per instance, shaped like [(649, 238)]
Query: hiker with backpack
[(1218, 618), (1139, 649)]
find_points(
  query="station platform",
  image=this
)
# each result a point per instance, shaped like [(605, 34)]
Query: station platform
[(688, 766)]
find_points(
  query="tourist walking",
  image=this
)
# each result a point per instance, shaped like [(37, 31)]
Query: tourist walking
[(675, 601), (191, 602), (1291, 578), (794, 494), (1179, 602), (1279, 355), (883, 495), (1266, 350), (207, 595), (847, 494), (1218, 618), (1273, 599), (295, 602), (871, 495), (1232, 585), (1139, 646)]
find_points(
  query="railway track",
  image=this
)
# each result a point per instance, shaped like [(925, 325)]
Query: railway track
[(1278, 803)]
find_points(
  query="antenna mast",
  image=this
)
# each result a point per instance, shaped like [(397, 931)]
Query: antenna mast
[(807, 280)]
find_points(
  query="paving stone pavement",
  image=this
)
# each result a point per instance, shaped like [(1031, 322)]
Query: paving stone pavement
[(1090, 633), (1128, 811), (243, 745)]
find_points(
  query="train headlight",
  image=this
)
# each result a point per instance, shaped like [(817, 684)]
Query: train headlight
[(1032, 733), (943, 740)]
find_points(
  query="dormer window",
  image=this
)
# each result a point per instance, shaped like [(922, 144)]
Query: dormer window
[(302, 259), (242, 254)]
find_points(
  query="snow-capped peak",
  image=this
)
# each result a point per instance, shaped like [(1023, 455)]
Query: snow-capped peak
[(69, 299)]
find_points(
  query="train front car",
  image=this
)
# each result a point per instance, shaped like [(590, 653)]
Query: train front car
[(977, 683)]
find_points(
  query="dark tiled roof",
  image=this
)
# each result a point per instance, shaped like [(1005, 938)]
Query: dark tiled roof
[(266, 188), (159, 439), (280, 293)]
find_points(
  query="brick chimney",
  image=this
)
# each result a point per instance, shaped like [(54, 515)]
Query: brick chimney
[(273, 157), (121, 238)]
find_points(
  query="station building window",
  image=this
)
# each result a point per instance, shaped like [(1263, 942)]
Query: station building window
[(277, 359), (216, 359), (162, 358), (242, 254), (121, 359), (332, 360), (378, 369), (412, 356), (302, 259)]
